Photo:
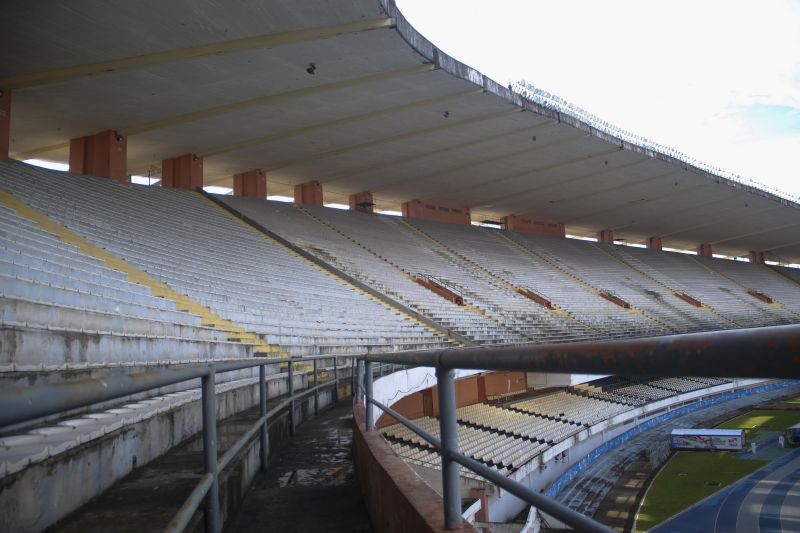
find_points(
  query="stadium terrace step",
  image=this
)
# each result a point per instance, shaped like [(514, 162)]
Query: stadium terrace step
[(134, 275), (25, 345)]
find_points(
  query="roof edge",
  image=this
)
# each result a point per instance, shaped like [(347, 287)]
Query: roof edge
[(452, 66)]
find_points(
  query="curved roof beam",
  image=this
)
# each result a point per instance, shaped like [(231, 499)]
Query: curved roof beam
[(34, 79), (392, 138), (439, 152), (261, 101)]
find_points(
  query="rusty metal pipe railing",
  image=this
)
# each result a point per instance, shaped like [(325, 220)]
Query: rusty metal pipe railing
[(768, 352)]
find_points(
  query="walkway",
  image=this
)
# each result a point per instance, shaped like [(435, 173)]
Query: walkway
[(311, 483)]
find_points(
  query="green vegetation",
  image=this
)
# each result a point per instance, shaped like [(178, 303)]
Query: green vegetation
[(793, 400), (769, 420), (692, 476), (688, 478)]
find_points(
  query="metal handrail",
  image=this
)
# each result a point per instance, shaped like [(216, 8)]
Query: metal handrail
[(23, 404), (772, 352)]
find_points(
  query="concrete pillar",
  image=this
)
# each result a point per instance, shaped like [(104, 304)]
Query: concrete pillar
[(309, 193), (251, 184), (5, 123), (103, 154), (437, 211), (182, 172), (605, 236), (756, 257), (534, 226), (654, 243), (362, 201), (482, 389), (705, 250)]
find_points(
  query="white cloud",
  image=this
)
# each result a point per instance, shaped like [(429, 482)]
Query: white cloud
[(681, 73)]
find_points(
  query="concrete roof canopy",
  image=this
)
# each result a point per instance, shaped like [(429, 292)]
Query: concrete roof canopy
[(350, 95)]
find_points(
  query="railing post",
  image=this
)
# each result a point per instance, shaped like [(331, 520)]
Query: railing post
[(335, 381), (316, 389), (209, 407), (368, 392), (291, 398), (262, 402), (448, 428), (360, 380)]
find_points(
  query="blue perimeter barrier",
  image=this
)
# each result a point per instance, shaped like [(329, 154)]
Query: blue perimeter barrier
[(581, 465)]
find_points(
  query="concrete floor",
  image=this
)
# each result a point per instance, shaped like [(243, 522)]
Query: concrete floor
[(310, 484)]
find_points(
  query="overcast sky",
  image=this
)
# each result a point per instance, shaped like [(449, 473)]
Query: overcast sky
[(717, 80)]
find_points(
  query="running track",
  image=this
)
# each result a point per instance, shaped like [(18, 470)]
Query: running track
[(767, 501)]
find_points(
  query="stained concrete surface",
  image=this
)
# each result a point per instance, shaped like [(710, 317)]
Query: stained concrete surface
[(148, 498), (310, 484)]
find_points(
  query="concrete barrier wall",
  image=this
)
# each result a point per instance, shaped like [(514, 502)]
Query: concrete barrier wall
[(46, 492), (397, 499)]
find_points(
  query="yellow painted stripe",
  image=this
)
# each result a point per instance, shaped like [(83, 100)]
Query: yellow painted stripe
[(157, 288)]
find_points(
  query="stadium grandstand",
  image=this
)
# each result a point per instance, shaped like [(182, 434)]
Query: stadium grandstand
[(270, 217)]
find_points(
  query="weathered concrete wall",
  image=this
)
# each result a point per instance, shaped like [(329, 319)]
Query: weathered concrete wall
[(37, 497), (397, 500)]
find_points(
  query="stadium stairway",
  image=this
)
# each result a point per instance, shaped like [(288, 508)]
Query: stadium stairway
[(336, 273), (469, 308), (196, 249), (683, 273), (209, 319), (656, 326), (611, 251), (336, 242), (484, 272), (785, 295)]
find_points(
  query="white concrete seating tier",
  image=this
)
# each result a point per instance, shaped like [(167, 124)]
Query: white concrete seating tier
[(429, 458), (487, 446), (587, 389), (59, 305), (760, 278), (708, 381), (563, 405), (417, 255), (681, 272), (358, 255), (525, 425), (644, 392), (677, 384), (183, 240), (513, 265), (503, 299)]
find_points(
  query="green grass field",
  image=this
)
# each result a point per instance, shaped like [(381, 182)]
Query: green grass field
[(692, 476), (755, 421), (794, 400)]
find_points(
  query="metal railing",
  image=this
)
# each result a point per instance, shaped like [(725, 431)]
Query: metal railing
[(556, 103), (24, 404), (769, 352)]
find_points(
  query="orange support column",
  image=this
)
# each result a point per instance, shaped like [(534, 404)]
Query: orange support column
[(309, 193), (605, 236), (705, 250), (5, 123), (103, 154), (437, 211), (362, 202), (654, 243), (534, 226), (251, 184), (756, 257), (183, 172)]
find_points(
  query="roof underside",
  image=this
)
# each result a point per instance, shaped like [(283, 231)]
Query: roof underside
[(382, 111)]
